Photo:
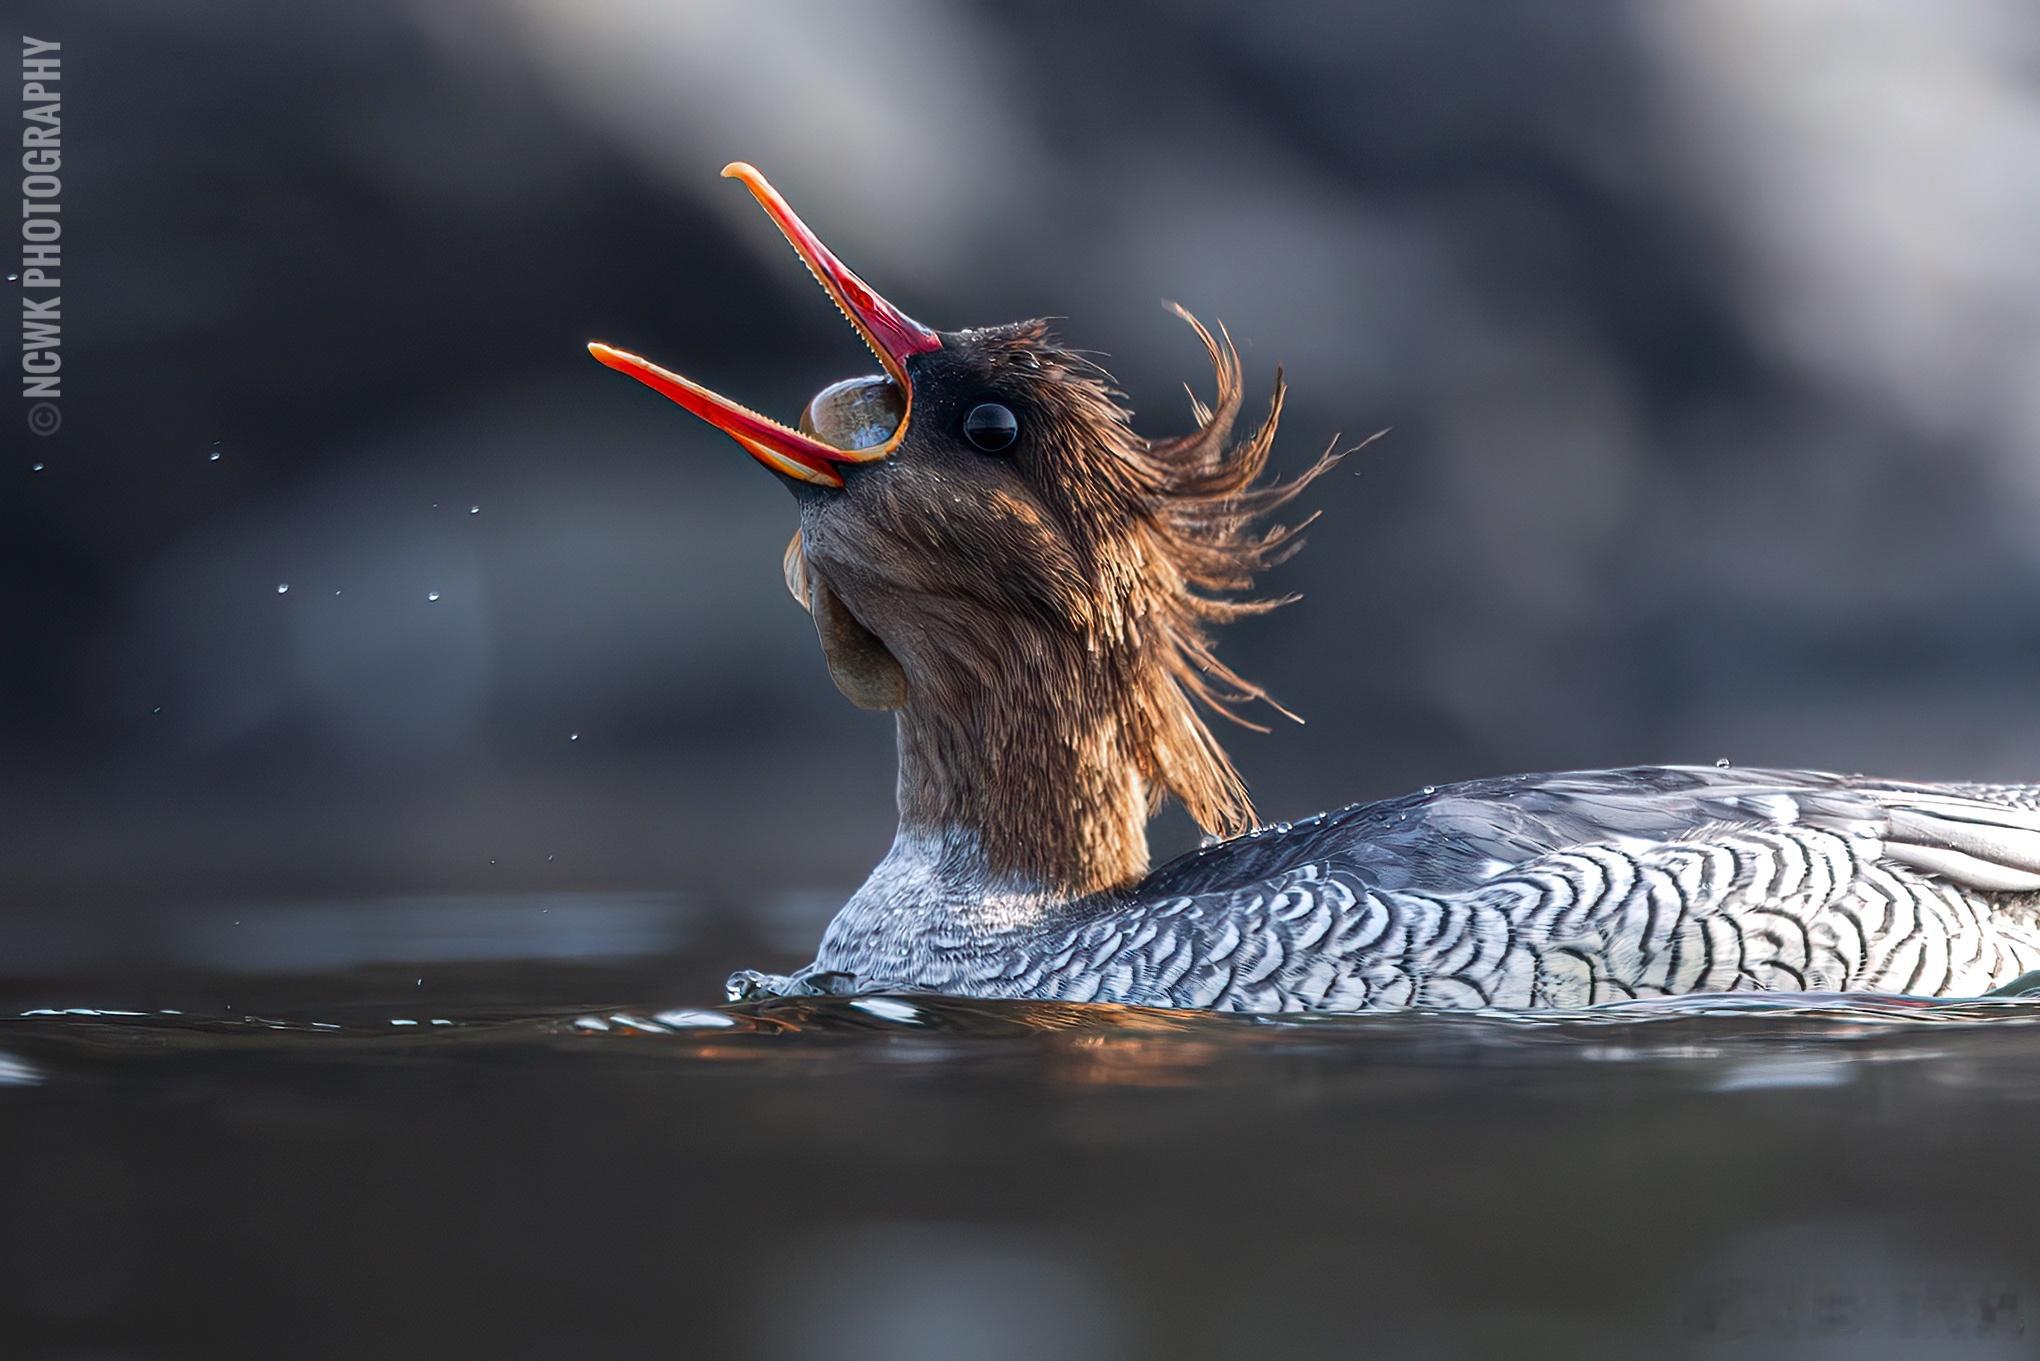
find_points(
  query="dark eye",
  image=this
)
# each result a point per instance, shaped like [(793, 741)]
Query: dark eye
[(991, 427)]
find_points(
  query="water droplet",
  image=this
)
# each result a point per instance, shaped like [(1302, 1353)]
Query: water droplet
[(157, 710), (889, 1009), (36, 468), (1430, 789), (1721, 763), (213, 457), (548, 860), (432, 595), (336, 593), (283, 588), (12, 277), (688, 1017), (474, 510), (573, 737)]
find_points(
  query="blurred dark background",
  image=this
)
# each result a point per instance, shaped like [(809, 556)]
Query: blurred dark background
[(1709, 336)]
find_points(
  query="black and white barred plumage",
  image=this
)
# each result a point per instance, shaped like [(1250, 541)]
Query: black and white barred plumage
[(1530, 891)]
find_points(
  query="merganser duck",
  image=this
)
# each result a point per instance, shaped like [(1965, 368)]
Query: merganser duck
[(988, 550)]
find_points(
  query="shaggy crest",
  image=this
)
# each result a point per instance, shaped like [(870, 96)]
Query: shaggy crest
[(1174, 531)]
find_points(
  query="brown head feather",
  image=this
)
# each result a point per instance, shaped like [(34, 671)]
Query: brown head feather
[(1053, 612), (1182, 527)]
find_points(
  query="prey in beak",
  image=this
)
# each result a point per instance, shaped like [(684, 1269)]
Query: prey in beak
[(804, 455)]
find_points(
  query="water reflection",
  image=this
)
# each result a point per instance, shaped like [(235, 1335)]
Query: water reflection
[(424, 1101), (921, 1289), (1720, 1044), (930, 1177)]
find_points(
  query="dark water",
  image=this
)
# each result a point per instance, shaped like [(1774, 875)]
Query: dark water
[(566, 1153)]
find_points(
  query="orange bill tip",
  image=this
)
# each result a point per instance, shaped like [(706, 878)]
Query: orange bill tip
[(891, 334)]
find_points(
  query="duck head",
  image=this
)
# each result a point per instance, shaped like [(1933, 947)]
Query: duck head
[(987, 547)]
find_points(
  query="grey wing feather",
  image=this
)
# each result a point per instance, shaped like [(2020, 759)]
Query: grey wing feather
[(1560, 889), (1458, 834)]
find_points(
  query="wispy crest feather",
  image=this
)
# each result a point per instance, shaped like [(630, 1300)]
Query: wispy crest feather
[(1176, 531)]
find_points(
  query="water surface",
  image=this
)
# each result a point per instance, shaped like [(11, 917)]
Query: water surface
[(567, 1153)]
